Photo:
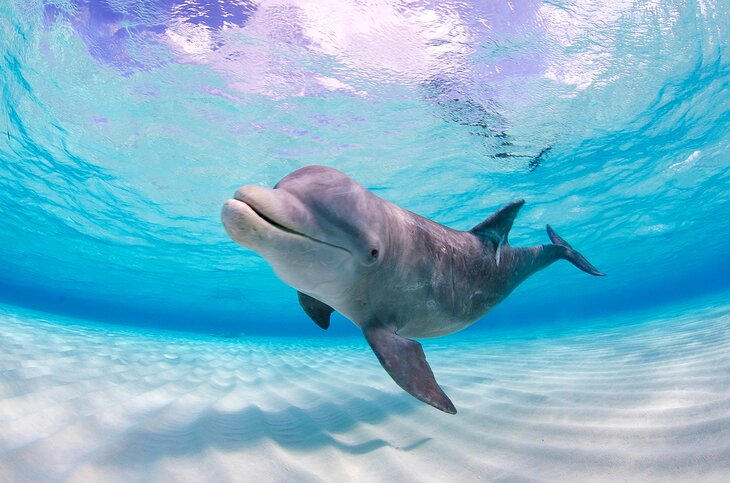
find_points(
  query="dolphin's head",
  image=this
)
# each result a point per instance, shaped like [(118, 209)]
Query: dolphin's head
[(317, 228)]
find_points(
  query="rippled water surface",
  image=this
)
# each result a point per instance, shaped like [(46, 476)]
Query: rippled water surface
[(126, 124)]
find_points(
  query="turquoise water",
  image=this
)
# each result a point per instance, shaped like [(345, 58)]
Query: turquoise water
[(126, 124), (126, 128)]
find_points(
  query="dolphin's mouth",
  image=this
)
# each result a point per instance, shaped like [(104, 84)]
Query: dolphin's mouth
[(284, 228), (275, 224)]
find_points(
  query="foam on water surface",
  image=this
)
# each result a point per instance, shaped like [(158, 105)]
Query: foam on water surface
[(646, 397)]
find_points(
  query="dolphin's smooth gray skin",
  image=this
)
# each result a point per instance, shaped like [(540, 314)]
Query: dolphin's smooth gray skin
[(393, 273)]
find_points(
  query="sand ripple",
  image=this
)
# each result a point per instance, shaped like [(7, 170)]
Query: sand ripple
[(646, 400)]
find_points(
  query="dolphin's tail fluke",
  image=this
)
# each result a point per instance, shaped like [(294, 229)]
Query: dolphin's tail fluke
[(567, 253)]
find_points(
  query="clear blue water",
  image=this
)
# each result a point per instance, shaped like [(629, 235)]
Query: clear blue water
[(126, 124)]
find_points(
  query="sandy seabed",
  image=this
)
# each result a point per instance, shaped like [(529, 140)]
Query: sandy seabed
[(645, 400)]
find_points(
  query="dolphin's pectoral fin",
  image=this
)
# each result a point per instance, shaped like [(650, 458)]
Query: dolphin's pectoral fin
[(406, 363), (495, 229), (318, 311)]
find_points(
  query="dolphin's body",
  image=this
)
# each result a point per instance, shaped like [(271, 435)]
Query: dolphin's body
[(393, 273)]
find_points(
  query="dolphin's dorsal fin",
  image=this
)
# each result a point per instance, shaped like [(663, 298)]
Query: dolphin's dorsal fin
[(495, 229), (405, 362), (318, 311)]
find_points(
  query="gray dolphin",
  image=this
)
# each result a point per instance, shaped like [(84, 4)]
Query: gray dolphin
[(393, 273)]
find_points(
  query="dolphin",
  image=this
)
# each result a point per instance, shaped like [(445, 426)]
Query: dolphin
[(393, 273)]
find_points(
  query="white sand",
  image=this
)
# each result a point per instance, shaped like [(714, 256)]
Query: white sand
[(642, 402)]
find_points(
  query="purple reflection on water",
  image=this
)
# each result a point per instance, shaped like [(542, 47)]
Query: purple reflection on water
[(131, 34), (128, 36), (459, 53)]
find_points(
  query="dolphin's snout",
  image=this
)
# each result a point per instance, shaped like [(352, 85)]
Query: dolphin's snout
[(251, 193), (245, 192), (254, 213), (232, 215), (228, 210)]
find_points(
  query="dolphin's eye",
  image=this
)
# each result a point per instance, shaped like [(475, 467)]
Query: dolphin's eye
[(374, 253)]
